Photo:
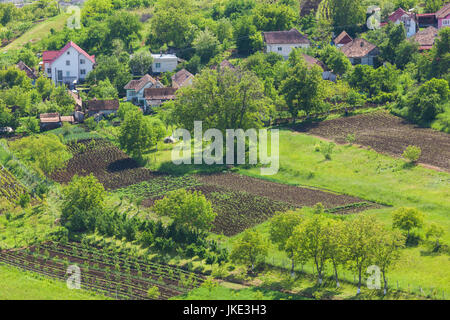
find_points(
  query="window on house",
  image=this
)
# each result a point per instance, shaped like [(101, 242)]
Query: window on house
[(68, 52), (67, 73), (82, 71), (158, 65), (356, 60), (49, 70), (280, 49), (67, 62), (81, 61)]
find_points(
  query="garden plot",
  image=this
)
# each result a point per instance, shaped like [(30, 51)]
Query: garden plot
[(111, 273), (10, 187), (112, 167), (386, 133)]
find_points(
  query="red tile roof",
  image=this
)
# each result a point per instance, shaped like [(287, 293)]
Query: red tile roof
[(50, 56), (179, 79), (224, 64), (443, 12), (285, 37), (343, 38), (426, 38), (159, 93), (137, 85), (398, 14), (358, 48), (99, 105), (49, 117)]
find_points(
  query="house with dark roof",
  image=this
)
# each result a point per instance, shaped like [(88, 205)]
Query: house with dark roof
[(70, 65), (182, 78), (327, 74), (135, 89), (49, 121), (100, 108), (342, 39), (157, 96), (407, 18), (31, 73), (360, 51), (443, 16), (282, 42), (425, 38)]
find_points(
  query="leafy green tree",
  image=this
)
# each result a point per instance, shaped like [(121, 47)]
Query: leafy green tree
[(246, 36), (435, 231), (386, 251), (407, 219), (206, 45), (153, 293), (338, 255), (281, 228), (303, 88), (81, 195), (137, 135), (412, 153), (7, 118), (395, 35), (441, 54), (347, 14), (103, 90), (124, 26), (335, 60), (311, 240), (141, 62), (427, 102), (360, 243), (275, 17), (46, 152), (191, 209), (431, 6), (249, 249)]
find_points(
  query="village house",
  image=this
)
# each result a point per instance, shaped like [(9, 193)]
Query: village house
[(182, 78), (69, 66), (407, 18), (223, 64), (327, 74), (164, 62), (100, 108), (49, 121), (282, 42), (31, 73), (443, 16), (156, 96), (135, 89), (360, 51), (342, 39), (425, 38)]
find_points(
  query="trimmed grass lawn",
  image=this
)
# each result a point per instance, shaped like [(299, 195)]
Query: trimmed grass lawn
[(16, 284), (38, 32)]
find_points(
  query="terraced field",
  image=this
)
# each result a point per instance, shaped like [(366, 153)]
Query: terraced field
[(10, 187)]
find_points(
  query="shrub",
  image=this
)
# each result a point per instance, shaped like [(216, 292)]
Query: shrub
[(412, 153), (319, 208), (351, 137), (327, 149)]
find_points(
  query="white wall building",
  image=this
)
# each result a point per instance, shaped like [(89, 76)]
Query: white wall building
[(408, 20), (135, 89), (69, 65), (282, 42), (164, 62)]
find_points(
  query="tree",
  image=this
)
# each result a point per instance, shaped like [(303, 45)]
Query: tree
[(395, 35), (347, 14), (336, 60), (46, 152), (407, 219), (337, 250), (275, 17), (435, 231), (225, 99), (386, 251), (124, 26), (303, 86), (137, 134), (103, 90), (249, 249), (246, 36), (431, 6), (281, 228), (81, 195), (153, 293), (206, 45), (360, 242), (141, 62), (441, 54), (412, 153), (187, 208), (311, 240)]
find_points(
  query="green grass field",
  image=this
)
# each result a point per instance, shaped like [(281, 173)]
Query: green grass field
[(38, 32), (19, 285)]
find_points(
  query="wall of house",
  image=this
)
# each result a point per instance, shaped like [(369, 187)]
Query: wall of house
[(285, 48), (368, 60), (445, 22), (166, 64), (70, 72), (410, 25)]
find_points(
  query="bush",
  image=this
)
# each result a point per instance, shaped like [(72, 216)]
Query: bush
[(412, 153), (319, 208), (153, 292), (327, 149), (351, 137)]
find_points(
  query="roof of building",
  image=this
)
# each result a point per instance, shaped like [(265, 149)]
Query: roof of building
[(425, 38), (49, 117), (311, 61), (50, 56), (397, 14), (443, 12), (67, 119), (163, 56), (179, 78), (29, 71), (292, 36), (76, 97), (358, 48), (343, 38), (159, 93), (99, 105), (137, 85), (224, 64)]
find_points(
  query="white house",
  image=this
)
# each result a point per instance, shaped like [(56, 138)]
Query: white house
[(164, 62), (408, 19), (68, 65), (282, 42), (135, 89)]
